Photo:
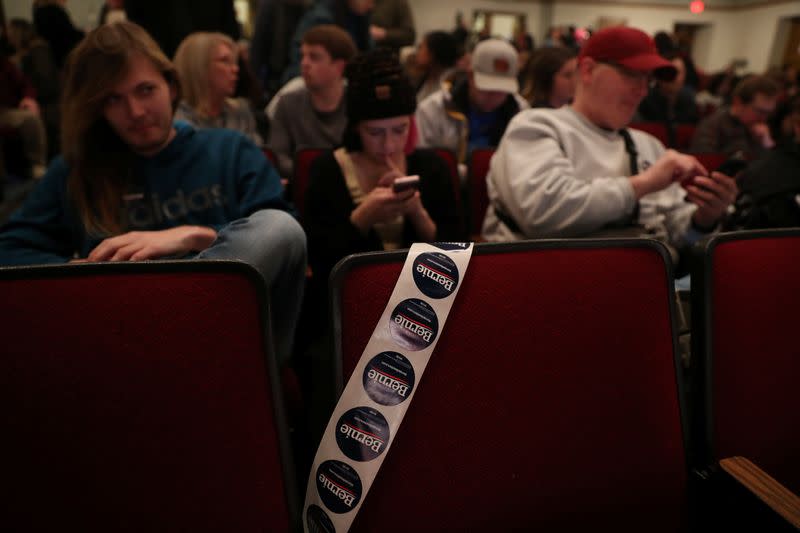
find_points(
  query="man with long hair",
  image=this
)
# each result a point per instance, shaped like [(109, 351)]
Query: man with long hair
[(134, 185)]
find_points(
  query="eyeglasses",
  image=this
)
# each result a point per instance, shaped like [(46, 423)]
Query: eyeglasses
[(636, 76)]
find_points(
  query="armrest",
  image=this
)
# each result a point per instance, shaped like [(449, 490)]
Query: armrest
[(764, 487)]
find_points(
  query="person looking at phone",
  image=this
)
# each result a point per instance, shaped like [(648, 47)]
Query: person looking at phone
[(351, 205), (578, 172)]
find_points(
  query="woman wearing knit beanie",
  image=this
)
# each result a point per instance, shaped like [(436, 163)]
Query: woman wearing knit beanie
[(351, 204)]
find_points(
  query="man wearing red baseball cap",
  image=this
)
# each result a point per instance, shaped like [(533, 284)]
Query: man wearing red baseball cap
[(577, 172)]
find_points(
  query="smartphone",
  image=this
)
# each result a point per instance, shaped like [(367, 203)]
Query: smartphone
[(405, 183), (731, 167)]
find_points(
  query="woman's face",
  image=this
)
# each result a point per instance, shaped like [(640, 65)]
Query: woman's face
[(384, 138), (564, 83), (223, 72)]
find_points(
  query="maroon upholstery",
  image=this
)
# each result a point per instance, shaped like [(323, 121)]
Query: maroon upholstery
[(711, 161), (449, 157), (683, 136), (479, 161), (656, 129), (137, 397), (752, 288), (550, 401), (302, 169)]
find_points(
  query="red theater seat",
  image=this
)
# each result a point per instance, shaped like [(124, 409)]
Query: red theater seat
[(656, 129), (302, 174), (479, 161), (551, 401), (746, 358), (711, 161), (141, 397)]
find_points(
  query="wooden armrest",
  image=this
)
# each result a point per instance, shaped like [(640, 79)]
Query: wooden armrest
[(766, 488)]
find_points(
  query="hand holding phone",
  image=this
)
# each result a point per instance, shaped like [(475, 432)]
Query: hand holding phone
[(731, 167), (404, 183)]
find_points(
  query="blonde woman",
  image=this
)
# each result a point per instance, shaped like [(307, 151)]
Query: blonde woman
[(208, 68)]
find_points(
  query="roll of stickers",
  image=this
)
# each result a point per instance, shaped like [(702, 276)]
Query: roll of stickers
[(375, 400)]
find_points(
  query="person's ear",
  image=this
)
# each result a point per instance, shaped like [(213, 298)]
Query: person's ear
[(340, 65)]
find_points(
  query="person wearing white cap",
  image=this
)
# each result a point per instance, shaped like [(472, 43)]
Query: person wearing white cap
[(577, 171), (474, 112)]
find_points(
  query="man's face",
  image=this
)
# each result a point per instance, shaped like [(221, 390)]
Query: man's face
[(610, 94), (757, 111), (318, 69), (139, 108), (484, 101)]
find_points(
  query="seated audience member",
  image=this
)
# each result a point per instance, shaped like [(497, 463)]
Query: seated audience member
[(33, 56), (351, 15), (550, 77), (741, 128), (770, 187), (208, 68), (169, 22), (53, 24), (392, 24), (19, 111), (112, 11), (132, 185), (313, 116), (576, 172), (435, 62), (350, 203), (274, 25), (475, 112), (670, 102)]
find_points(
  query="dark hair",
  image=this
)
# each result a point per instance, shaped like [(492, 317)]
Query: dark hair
[(443, 48), (332, 38), (749, 87), (665, 45), (377, 87), (541, 70)]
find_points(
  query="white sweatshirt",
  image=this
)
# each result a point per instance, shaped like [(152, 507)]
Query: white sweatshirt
[(559, 175)]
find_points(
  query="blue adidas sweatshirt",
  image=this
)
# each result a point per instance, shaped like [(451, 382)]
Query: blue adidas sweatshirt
[(207, 177)]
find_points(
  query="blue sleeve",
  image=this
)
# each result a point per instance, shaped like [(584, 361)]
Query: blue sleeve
[(258, 183), (40, 231)]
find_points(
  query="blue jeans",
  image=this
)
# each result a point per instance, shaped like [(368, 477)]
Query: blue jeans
[(272, 242)]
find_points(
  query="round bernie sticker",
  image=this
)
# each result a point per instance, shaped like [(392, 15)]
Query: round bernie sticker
[(452, 245), (317, 521), (388, 378), (414, 325), (435, 274), (362, 434), (338, 486)]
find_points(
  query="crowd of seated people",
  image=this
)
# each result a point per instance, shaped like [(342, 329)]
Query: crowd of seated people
[(162, 158)]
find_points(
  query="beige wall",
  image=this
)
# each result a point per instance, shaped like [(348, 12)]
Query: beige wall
[(747, 34)]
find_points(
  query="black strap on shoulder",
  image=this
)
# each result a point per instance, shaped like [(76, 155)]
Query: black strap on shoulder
[(630, 147)]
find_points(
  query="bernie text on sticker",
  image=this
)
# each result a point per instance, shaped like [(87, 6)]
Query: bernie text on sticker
[(388, 381), (338, 491), (439, 278), (370, 441), (413, 327)]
